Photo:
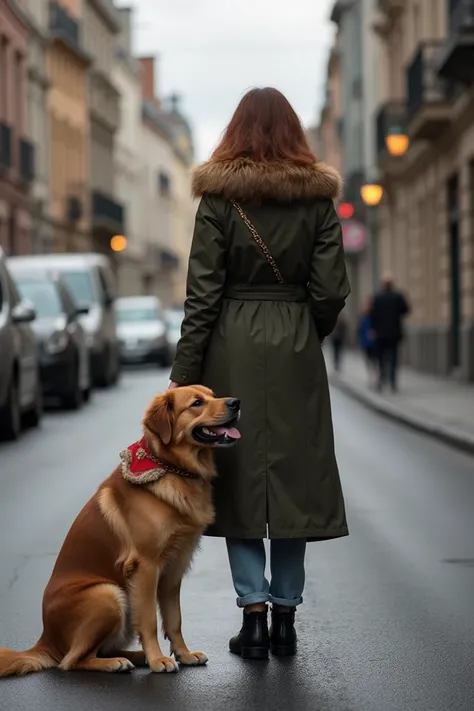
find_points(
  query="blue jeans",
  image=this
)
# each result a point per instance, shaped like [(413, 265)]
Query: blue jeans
[(247, 563)]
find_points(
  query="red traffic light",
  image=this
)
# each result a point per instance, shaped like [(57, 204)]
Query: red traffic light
[(345, 210)]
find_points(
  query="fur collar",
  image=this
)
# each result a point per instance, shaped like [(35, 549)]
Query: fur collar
[(245, 180)]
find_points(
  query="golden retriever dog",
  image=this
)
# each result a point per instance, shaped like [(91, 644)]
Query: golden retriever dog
[(129, 548)]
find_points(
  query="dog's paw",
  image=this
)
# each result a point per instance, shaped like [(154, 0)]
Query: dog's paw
[(192, 659), (163, 665), (121, 665)]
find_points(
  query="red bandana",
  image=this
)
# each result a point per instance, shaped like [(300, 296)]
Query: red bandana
[(140, 466)]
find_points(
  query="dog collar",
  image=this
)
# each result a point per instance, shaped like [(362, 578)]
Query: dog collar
[(140, 466)]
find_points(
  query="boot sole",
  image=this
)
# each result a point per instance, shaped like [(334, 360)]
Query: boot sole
[(279, 650), (252, 653)]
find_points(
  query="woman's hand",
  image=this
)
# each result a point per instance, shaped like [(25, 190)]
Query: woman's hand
[(173, 385)]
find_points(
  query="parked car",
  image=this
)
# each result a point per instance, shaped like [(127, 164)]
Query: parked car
[(20, 387), (90, 280), (174, 318), (142, 330), (63, 352)]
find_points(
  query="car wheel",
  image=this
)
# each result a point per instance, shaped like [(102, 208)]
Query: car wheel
[(117, 372), (10, 418), (33, 416), (73, 399), (105, 374)]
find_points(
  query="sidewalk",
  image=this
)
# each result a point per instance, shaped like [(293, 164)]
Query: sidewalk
[(440, 407)]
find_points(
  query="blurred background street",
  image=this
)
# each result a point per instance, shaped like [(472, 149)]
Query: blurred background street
[(387, 623)]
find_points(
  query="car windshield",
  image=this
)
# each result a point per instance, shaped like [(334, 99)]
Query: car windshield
[(132, 315), (44, 296), (80, 286)]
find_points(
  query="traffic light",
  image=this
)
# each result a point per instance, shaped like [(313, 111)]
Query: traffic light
[(345, 211)]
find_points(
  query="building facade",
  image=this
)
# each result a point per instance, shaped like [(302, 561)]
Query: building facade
[(426, 83), (168, 212), (37, 16), (67, 66), (17, 152), (345, 133), (101, 31), (128, 159)]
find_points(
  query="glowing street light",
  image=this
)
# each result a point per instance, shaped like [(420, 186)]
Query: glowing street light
[(371, 194), (397, 142), (118, 243)]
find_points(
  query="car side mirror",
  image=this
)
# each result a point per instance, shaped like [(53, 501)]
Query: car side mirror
[(82, 309), (24, 312)]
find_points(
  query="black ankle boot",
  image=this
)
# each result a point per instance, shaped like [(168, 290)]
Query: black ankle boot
[(252, 642), (282, 633)]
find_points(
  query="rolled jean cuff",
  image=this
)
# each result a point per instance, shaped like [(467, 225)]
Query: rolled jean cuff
[(252, 599), (285, 603)]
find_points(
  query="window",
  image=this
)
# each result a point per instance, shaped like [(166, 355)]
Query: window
[(80, 286), (44, 296), (164, 184)]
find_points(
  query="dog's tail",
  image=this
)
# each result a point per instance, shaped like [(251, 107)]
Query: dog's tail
[(19, 663)]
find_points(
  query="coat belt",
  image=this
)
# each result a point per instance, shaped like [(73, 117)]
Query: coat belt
[(266, 292)]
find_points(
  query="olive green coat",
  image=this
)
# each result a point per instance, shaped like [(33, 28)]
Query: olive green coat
[(246, 336)]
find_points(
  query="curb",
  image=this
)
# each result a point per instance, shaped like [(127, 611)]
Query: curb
[(453, 437)]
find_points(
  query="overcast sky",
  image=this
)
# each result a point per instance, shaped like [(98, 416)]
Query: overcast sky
[(211, 51)]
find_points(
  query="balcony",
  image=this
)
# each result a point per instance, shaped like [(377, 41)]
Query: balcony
[(428, 102), (104, 100), (107, 214), (64, 26), (456, 58), (6, 158), (27, 160)]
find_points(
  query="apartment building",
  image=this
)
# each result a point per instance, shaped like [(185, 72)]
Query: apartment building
[(426, 88), (345, 135), (17, 153), (37, 16), (128, 158), (101, 31), (67, 67), (168, 208)]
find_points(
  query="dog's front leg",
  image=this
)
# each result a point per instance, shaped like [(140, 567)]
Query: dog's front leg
[(170, 607), (144, 587)]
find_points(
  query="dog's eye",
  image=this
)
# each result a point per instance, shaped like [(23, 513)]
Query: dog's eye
[(198, 403)]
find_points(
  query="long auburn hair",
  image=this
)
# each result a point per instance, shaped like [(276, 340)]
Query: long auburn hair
[(265, 128)]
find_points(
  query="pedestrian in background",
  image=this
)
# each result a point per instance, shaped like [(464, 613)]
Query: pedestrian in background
[(266, 282), (389, 309), (338, 341), (366, 338)]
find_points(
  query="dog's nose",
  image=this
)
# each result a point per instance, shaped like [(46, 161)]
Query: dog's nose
[(233, 404)]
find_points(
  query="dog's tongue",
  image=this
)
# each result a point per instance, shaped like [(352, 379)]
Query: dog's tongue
[(230, 431)]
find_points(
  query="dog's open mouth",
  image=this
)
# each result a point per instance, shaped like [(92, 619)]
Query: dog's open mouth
[(220, 435)]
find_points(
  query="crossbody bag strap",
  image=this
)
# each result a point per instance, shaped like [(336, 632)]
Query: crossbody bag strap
[(260, 242)]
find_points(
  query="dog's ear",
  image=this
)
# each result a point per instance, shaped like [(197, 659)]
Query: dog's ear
[(160, 416)]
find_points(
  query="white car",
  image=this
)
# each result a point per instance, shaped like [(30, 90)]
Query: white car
[(142, 330), (174, 317)]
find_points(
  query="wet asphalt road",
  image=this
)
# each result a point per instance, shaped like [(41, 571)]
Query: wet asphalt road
[(388, 619)]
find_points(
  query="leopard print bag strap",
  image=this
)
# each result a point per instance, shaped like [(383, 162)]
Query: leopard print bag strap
[(259, 242)]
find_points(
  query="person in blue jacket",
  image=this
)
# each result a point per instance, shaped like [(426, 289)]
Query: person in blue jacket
[(367, 340)]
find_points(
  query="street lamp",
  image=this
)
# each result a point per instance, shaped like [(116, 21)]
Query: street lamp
[(372, 194), (118, 243), (397, 142)]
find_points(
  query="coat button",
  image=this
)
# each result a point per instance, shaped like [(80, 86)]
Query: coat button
[(185, 377)]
